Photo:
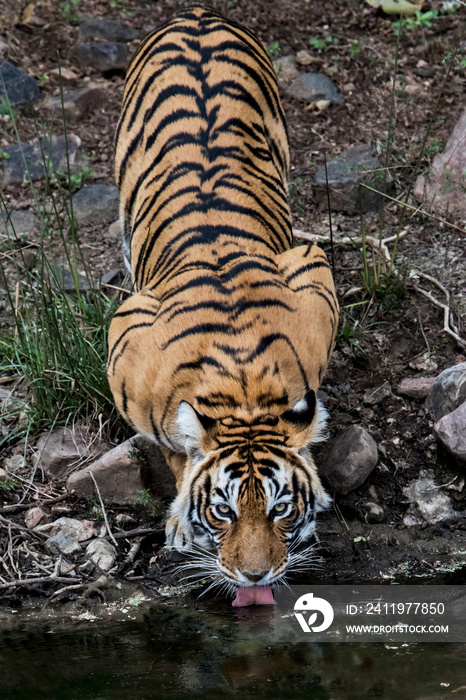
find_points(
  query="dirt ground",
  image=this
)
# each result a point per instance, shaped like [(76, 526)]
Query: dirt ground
[(383, 336)]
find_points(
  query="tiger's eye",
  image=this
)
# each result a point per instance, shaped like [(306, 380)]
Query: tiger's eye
[(222, 508), (280, 507)]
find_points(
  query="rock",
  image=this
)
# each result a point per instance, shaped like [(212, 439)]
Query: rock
[(64, 544), (304, 58), (12, 170), (351, 459), (375, 396), (159, 475), (101, 553), (14, 464), (65, 74), (114, 230), (109, 29), (117, 473), (103, 56), (427, 503), (77, 103), (33, 517), (442, 190), (3, 476), (345, 174), (80, 530), (64, 281), (17, 223), (124, 472), (424, 363), (313, 87), (65, 449), (415, 387), (285, 68), (448, 391), (373, 512), (96, 204), (19, 88), (451, 431)]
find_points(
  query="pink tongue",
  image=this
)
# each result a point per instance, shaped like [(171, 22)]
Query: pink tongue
[(253, 595)]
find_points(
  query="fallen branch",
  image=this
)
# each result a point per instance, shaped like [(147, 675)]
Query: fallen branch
[(380, 246), (104, 512)]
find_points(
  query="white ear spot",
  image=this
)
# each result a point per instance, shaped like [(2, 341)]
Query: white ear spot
[(188, 423), (301, 406)]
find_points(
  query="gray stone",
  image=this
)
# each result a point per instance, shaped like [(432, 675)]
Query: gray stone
[(64, 544), (451, 431), (19, 88), (80, 530), (313, 87), (64, 449), (118, 474), (101, 553), (77, 103), (96, 204), (52, 151), (424, 363), (103, 56), (415, 387), (442, 190), (17, 223), (285, 68), (14, 464), (124, 472), (428, 504), (351, 459), (346, 175), (62, 280), (109, 29), (448, 391), (160, 479), (374, 396)]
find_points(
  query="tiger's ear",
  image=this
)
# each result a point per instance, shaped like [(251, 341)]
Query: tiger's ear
[(302, 412), (193, 426), (309, 415)]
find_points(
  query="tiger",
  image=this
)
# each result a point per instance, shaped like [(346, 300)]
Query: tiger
[(218, 355)]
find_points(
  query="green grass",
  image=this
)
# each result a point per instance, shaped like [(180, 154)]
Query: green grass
[(56, 345)]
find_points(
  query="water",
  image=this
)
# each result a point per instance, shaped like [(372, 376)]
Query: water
[(212, 651)]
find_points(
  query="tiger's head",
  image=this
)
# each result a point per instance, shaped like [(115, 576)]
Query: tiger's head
[(250, 493)]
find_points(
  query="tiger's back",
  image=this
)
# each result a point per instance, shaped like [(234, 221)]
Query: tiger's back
[(225, 343), (201, 143)]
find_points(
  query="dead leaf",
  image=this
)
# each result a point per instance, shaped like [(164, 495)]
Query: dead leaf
[(405, 8)]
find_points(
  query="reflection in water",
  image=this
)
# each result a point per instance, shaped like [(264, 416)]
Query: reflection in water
[(176, 651)]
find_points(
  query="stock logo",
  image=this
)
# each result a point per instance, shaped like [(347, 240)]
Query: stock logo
[(308, 605)]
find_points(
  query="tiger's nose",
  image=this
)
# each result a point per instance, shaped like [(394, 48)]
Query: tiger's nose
[(255, 577)]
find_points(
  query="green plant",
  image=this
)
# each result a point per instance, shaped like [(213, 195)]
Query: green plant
[(323, 44), (294, 193), (74, 181), (8, 487), (7, 109), (151, 504), (355, 49), (68, 10), (273, 50), (58, 343), (420, 19), (43, 79)]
